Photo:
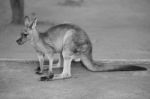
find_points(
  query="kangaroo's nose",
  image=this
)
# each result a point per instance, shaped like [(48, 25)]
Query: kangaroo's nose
[(18, 42)]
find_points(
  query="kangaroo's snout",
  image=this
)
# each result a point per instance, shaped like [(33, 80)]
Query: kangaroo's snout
[(19, 42)]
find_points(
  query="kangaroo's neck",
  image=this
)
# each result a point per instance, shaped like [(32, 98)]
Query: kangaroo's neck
[(35, 36)]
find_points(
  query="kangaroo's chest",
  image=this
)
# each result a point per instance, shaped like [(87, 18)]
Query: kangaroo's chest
[(42, 48), (55, 42)]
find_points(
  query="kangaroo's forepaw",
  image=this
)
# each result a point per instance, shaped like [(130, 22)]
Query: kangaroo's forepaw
[(47, 78), (39, 72), (44, 78), (37, 69)]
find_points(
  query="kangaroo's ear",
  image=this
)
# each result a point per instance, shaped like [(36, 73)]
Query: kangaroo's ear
[(34, 23), (26, 21)]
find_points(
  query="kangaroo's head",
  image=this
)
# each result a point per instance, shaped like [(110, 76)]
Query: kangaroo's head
[(28, 31)]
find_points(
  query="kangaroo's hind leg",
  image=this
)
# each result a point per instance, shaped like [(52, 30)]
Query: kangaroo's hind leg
[(67, 59), (67, 65), (60, 61)]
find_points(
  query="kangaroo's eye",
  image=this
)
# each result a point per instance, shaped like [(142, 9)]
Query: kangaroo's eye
[(24, 34)]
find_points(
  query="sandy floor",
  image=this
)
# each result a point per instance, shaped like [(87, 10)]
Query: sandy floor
[(18, 81), (117, 29)]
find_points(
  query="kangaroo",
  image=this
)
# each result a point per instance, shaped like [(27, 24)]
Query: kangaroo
[(69, 40)]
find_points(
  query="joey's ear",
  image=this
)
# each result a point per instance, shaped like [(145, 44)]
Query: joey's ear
[(34, 23), (26, 21)]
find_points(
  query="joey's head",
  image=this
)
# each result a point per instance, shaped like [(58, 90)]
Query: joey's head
[(28, 31)]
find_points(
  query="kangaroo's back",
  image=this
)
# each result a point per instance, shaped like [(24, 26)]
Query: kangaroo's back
[(56, 35)]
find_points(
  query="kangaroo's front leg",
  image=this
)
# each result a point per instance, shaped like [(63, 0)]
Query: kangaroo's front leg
[(40, 69), (50, 74)]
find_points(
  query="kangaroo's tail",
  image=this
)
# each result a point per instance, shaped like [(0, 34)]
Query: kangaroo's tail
[(95, 66)]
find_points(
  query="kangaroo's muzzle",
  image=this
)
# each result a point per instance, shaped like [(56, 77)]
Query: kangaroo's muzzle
[(19, 41)]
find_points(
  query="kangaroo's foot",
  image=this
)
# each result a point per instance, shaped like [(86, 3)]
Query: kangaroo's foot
[(62, 76), (40, 72), (47, 77), (55, 77)]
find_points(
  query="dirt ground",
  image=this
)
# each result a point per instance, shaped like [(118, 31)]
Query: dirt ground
[(18, 81), (118, 29)]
